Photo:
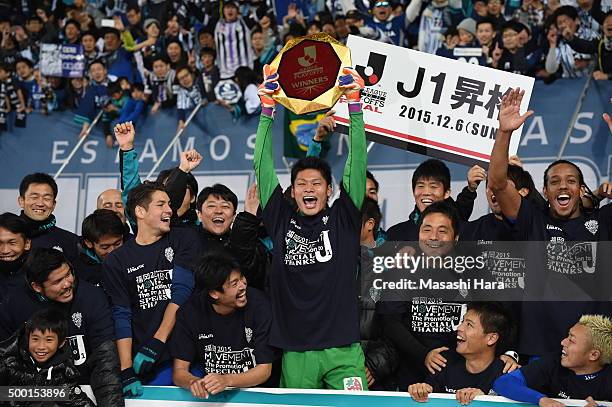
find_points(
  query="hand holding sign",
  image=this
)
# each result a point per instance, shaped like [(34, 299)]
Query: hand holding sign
[(510, 118)]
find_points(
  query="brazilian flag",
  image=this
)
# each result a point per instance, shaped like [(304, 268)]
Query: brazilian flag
[(299, 131)]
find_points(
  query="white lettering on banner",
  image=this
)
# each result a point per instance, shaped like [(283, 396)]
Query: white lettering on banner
[(226, 150), (535, 131), (588, 131), (148, 151), (88, 149), (57, 150), (177, 148), (444, 105), (249, 155)]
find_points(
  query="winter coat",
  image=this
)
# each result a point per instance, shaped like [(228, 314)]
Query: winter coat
[(17, 368)]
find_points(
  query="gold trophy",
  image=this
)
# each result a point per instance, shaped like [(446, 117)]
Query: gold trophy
[(308, 69)]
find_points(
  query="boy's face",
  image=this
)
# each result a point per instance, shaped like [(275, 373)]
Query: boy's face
[(485, 33), (471, 339), (216, 215), (566, 23), (510, 39), (137, 94), (4, 75), (206, 40), (152, 30), (208, 60), (88, 42), (185, 78), (436, 235), (105, 245), (23, 70), (174, 51), (43, 345), (427, 191), (480, 7), (160, 68), (310, 191)]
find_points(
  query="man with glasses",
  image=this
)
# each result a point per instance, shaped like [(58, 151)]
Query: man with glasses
[(50, 282)]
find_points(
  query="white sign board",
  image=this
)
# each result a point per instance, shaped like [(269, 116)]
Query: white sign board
[(431, 105)]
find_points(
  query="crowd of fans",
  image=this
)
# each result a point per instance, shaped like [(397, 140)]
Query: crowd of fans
[(139, 57), (169, 285)]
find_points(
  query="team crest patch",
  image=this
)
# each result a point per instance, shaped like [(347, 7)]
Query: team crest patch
[(169, 252), (77, 319), (592, 226), (375, 294), (325, 219), (248, 332), (353, 383)]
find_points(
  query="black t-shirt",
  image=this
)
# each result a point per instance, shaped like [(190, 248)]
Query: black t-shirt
[(89, 319), (140, 278), (455, 376), (547, 376), (314, 274), (563, 262), (406, 231), (223, 344), (432, 321), (505, 262)]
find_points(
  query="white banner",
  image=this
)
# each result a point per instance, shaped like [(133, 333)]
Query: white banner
[(429, 104)]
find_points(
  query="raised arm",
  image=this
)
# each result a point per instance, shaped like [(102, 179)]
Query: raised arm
[(325, 127), (263, 159), (354, 177), (128, 161), (509, 120)]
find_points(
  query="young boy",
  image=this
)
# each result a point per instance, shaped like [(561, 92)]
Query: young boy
[(112, 110), (37, 355), (484, 329)]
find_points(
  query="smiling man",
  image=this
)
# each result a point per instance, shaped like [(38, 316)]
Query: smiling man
[(475, 366), (568, 235), (37, 199), (222, 332), (148, 279), (431, 182), (313, 278), (50, 282), (14, 249), (216, 209), (582, 372)]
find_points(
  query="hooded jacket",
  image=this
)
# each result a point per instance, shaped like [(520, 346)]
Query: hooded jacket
[(17, 368)]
